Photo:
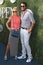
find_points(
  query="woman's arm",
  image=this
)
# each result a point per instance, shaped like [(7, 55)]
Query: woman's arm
[(9, 20)]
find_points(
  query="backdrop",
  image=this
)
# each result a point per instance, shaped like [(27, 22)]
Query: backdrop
[(36, 40)]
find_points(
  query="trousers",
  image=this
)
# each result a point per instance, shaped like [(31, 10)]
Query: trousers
[(25, 36)]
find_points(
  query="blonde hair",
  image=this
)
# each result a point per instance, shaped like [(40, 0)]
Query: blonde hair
[(15, 9)]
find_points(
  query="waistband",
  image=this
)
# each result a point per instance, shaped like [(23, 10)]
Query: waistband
[(24, 28)]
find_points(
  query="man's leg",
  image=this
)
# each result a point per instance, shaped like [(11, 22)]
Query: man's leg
[(23, 46), (26, 42)]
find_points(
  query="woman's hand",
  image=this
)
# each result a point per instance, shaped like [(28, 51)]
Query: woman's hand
[(17, 29), (9, 29)]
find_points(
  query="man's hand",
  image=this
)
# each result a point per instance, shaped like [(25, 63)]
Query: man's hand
[(29, 30)]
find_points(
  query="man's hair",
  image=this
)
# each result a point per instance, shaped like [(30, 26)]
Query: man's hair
[(24, 3)]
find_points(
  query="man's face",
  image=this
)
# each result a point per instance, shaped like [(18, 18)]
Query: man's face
[(23, 7)]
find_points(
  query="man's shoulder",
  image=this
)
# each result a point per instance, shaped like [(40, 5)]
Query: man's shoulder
[(29, 11)]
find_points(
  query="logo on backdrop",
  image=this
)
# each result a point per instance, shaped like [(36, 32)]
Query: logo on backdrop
[(5, 12), (12, 1)]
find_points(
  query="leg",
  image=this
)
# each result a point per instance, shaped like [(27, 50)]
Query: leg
[(7, 48), (22, 42), (23, 46), (27, 46)]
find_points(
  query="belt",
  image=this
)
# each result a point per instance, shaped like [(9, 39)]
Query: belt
[(24, 28)]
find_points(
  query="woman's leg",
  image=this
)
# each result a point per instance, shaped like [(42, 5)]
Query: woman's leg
[(7, 49)]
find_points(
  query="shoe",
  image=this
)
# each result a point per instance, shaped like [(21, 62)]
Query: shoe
[(29, 60), (21, 57), (5, 58), (15, 57)]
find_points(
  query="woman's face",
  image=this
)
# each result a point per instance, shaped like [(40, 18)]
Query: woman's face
[(15, 12)]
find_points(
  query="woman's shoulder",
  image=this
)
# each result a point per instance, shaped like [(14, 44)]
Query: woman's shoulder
[(11, 17)]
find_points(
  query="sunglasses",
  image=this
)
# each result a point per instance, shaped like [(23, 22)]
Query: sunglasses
[(14, 11), (22, 6)]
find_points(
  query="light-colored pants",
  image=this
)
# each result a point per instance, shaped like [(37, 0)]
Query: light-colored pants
[(25, 36)]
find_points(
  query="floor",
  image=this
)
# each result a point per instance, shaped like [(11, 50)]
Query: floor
[(11, 60)]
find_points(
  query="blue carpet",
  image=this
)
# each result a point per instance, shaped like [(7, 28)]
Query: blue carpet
[(12, 61)]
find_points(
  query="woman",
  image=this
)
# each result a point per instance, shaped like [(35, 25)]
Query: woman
[(15, 21)]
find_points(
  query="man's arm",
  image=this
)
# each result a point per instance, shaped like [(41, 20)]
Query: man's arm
[(31, 27), (32, 22)]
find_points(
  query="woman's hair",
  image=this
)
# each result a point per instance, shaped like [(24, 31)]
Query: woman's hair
[(15, 9)]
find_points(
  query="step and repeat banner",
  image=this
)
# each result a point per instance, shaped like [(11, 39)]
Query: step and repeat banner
[(36, 40), (5, 11)]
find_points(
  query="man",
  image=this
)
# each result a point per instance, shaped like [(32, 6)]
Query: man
[(27, 25)]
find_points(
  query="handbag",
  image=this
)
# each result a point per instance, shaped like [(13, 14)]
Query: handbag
[(15, 33)]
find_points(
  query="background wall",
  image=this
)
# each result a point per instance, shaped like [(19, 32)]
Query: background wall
[(36, 40)]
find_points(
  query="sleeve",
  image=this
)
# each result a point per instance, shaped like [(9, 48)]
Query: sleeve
[(31, 18)]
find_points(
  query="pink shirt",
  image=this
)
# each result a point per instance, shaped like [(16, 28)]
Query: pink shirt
[(15, 22)]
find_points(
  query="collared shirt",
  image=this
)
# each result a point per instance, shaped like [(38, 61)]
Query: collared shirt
[(27, 18)]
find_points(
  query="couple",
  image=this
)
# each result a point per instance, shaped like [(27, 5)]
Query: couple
[(25, 23)]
